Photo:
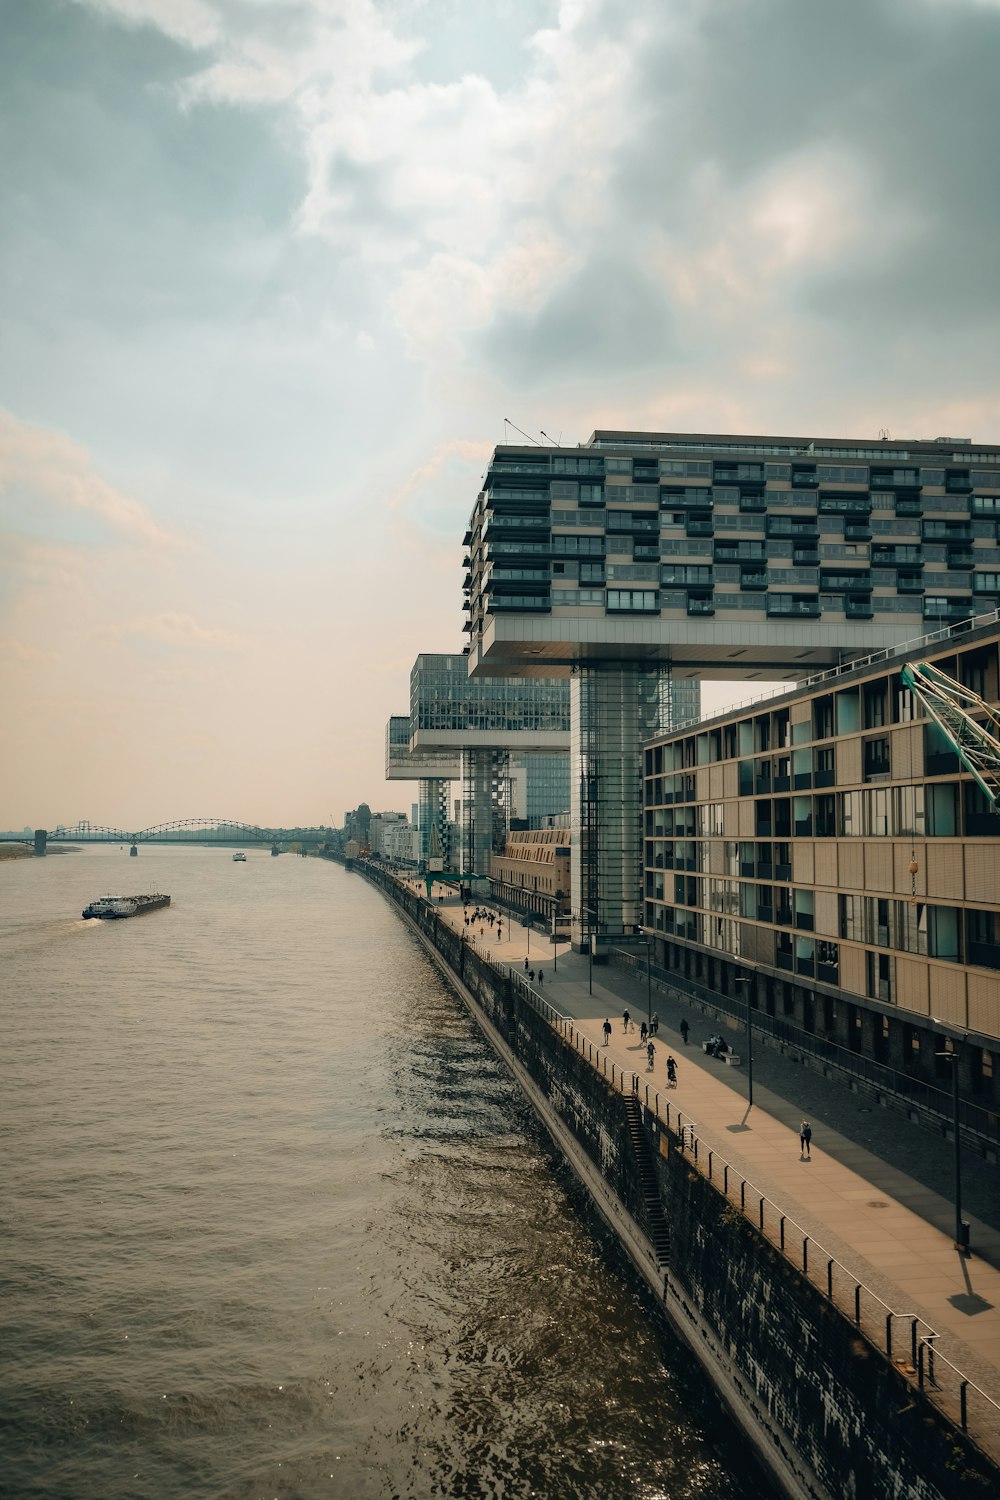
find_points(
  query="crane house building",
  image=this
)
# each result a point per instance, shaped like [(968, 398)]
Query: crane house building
[(831, 849)]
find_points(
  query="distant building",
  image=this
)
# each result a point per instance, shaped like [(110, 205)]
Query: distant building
[(532, 873)]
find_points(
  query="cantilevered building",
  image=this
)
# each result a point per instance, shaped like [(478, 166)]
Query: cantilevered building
[(642, 561)]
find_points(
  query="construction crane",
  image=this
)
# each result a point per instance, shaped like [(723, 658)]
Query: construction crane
[(953, 707)]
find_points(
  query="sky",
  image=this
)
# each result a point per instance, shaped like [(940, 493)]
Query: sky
[(273, 273)]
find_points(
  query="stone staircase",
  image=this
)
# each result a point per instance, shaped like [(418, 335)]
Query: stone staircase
[(656, 1222)]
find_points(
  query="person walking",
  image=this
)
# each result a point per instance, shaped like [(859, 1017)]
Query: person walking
[(642, 1033), (650, 1056), (539, 976), (654, 1024), (805, 1141), (526, 966), (607, 1032), (626, 1019), (685, 1028)]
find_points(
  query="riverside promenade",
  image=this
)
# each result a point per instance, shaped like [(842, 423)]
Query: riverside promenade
[(875, 1194)]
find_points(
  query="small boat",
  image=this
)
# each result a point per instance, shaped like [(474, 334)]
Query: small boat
[(239, 858), (110, 908)]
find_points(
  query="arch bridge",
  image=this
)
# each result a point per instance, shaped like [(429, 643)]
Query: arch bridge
[(204, 831)]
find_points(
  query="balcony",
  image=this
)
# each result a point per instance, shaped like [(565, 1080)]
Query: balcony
[(780, 607), (754, 581), (856, 533), (783, 960), (700, 528), (700, 607)]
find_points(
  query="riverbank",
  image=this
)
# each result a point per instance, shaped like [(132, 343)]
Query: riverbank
[(814, 1363)]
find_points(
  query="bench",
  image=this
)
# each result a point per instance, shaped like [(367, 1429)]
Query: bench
[(732, 1060)]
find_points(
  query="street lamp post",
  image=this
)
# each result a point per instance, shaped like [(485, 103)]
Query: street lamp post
[(749, 983), (953, 1055), (649, 980)]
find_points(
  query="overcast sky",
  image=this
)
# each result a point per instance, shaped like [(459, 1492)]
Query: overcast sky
[(273, 272)]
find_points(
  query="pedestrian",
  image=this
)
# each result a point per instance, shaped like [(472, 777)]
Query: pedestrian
[(805, 1140), (531, 975), (685, 1028), (607, 1031), (650, 1056), (626, 1018), (654, 1024), (642, 1033), (539, 976), (526, 966), (671, 1073)]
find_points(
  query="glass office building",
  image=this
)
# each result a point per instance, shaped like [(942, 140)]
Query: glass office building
[(684, 556)]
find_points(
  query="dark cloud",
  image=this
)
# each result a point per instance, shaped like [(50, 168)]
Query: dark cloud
[(904, 90), (608, 317), (120, 205)]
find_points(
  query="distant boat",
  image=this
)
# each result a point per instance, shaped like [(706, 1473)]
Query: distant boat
[(239, 858), (109, 908)]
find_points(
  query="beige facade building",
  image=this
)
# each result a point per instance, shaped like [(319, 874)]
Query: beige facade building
[(532, 874), (828, 847)]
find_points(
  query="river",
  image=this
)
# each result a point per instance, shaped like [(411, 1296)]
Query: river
[(276, 1223)]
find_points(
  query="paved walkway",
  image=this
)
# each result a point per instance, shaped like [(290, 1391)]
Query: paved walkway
[(872, 1193)]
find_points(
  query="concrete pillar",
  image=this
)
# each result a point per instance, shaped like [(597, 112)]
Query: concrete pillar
[(41, 841), (614, 708), (485, 803), (433, 821)]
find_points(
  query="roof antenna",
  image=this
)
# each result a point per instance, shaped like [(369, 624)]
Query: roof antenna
[(523, 434), (883, 434)]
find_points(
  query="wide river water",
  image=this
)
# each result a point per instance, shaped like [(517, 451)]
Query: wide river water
[(275, 1222)]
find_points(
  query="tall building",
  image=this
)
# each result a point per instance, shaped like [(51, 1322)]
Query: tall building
[(640, 561), (512, 736), (434, 770), (829, 845)]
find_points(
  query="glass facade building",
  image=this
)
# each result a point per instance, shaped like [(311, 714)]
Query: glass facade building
[(508, 740), (693, 555)]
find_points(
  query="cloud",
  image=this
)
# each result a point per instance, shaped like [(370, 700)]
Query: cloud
[(40, 466), (181, 631)]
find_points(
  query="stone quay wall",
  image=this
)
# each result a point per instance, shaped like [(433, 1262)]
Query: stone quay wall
[(828, 1409)]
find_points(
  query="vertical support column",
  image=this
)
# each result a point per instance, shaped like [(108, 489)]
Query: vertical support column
[(614, 708), (41, 841), (433, 815), (485, 801)]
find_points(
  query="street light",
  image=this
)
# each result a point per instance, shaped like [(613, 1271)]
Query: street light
[(649, 980), (749, 982), (953, 1055)]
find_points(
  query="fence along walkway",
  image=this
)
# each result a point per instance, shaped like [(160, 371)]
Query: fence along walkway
[(902, 1337)]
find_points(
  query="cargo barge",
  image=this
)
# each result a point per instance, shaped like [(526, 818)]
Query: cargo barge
[(111, 907)]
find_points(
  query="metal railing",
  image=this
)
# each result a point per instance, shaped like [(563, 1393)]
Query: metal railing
[(919, 643), (904, 1338)]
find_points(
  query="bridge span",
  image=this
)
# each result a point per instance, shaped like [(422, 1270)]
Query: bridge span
[(210, 832)]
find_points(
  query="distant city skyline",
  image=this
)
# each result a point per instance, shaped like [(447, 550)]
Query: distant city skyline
[(272, 278)]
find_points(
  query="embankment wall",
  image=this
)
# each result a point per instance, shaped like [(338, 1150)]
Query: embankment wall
[(828, 1414)]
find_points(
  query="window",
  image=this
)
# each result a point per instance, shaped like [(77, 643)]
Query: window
[(876, 758), (591, 494), (641, 600)]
